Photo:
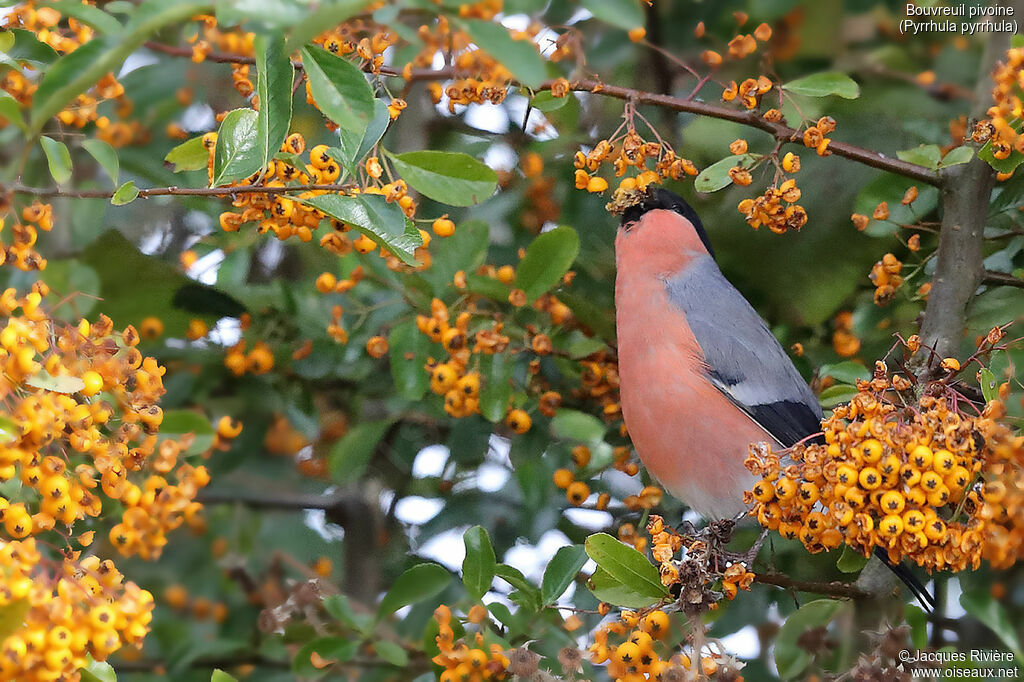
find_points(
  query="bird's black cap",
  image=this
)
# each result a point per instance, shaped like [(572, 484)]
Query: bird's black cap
[(656, 198)]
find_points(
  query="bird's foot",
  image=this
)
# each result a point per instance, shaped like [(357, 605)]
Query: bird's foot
[(746, 558)]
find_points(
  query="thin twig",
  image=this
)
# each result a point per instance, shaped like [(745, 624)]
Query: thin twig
[(1002, 279), (832, 589)]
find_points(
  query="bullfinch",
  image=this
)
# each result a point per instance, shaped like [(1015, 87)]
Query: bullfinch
[(701, 375)]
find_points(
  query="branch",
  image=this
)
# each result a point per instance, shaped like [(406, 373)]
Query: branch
[(832, 589), (219, 192), (1004, 279), (268, 500), (779, 131)]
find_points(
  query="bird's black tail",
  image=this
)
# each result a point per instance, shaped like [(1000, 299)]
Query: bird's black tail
[(920, 592)]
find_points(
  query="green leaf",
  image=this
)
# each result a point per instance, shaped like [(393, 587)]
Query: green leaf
[(518, 56), (178, 423), (26, 47), (790, 658), (847, 372), (98, 671), (350, 456), (221, 676), (63, 383), (851, 561), (824, 84), (381, 221), (238, 152), (891, 188), (189, 155), (546, 102), (420, 582), (835, 395), (105, 155), (339, 606), (496, 372), (716, 176), (1007, 165), (328, 648), (86, 14), (625, 14), (479, 565), (526, 594), (981, 605), (11, 111), (407, 352), (608, 589), (353, 146), (451, 178), (561, 571), (927, 155), (12, 617), (626, 565), (274, 88), (547, 259), (392, 652), (76, 72), (956, 156), (339, 88), (989, 385), (917, 619), (9, 431), (125, 194), (578, 426), (58, 158), (68, 275)]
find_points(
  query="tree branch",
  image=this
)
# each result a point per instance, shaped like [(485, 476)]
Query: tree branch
[(217, 192), (779, 131), (831, 589), (1004, 279), (966, 192)]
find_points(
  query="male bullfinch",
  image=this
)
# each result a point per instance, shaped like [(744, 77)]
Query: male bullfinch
[(701, 376)]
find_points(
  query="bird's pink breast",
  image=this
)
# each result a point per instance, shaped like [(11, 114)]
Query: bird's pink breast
[(688, 434)]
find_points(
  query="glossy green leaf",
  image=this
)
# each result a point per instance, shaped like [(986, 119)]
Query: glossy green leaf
[(625, 14), (716, 176), (63, 383), (917, 619), (407, 351), (12, 617), (189, 155), (350, 456), (518, 56), (58, 158), (221, 676), (9, 430), (339, 88), (105, 155), (956, 156), (238, 153), (353, 146), (392, 652), (77, 71), (24, 47), (989, 384), (451, 178), (547, 259), (327, 13), (578, 426), (526, 593), (836, 395), (824, 84), (626, 565), (851, 561), (98, 671), (561, 571), (125, 194), (927, 155), (274, 88), (891, 189), (608, 589), (790, 658), (10, 110), (381, 221), (496, 389), (546, 102), (847, 372), (1007, 165), (178, 423), (420, 582), (340, 607), (479, 565)]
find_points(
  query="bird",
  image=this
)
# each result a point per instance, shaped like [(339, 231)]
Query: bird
[(701, 376)]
